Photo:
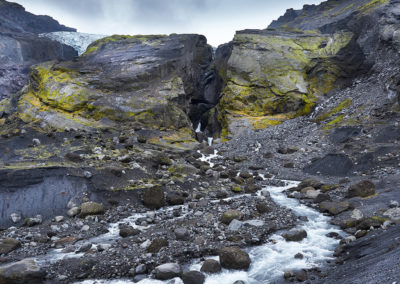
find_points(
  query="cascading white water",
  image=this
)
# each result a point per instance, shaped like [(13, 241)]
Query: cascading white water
[(198, 129), (269, 261)]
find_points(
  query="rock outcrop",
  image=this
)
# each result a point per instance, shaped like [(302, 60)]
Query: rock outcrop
[(151, 81), (21, 46)]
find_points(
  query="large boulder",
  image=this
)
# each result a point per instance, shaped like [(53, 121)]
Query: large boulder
[(211, 266), (154, 197), (156, 245), (234, 258), (193, 277), (295, 235), (334, 208), (24, 271), (120, 80), (8, 245), (364, 188), (167, 271)]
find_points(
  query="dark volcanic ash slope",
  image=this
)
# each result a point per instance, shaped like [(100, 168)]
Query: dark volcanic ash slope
[(21, 47)]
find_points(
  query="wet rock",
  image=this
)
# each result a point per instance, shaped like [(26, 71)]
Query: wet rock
[(87, 174), (252, 188), (156, 245), (84, 247), (334, 208), (168, 271), (301, 276), (240, 282), (312, 194), (288, 274), (193, 277), (8, 245), (128, 231), (393, 204), (229, 215), (362, 189), (24, 271), (236, 188), (154, 198), (295, 235), (299, 256), (74, 211), (182, 234), (245, 175), (234, 258), (30, 222), (92, 208), (211, 266)]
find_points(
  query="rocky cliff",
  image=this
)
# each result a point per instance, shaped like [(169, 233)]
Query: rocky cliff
[(21, 46), (147, 81), (282, 72)]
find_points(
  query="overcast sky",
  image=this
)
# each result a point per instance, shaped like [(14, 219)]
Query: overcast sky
[(216, 19)]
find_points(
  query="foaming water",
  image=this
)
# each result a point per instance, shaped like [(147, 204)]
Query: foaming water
[(269, 261), (208, 158)]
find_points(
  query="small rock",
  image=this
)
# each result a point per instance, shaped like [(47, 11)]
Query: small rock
[(15, 217), (168, 271), (211, 266), (295, 235), (127, 231), (59, 219), (262, 207), (84, 247), (360, 233), (182, 234), (229, 215), (193, 277), (235, 225), (87, 174), (299, 256), (73, 211), (141, 269), (393, 204), (30, 222), (156, 245), (393, 213), (234, 258), (36, 142)]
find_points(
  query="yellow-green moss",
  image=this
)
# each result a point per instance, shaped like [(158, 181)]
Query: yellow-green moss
[(371, 5), (341, 106), (146, 39)]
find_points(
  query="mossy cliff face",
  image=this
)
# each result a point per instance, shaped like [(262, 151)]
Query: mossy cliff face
[(270, 74), (147, 80)]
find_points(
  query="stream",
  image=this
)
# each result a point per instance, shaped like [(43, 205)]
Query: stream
[(270, 260)]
